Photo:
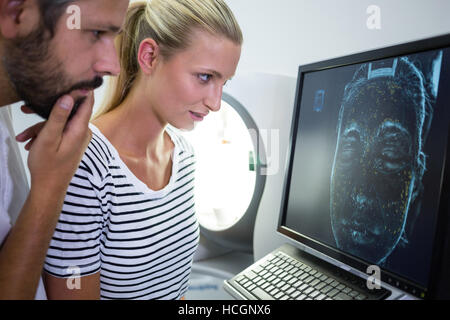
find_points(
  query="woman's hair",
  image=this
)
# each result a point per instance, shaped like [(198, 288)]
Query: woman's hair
[(171, 23)]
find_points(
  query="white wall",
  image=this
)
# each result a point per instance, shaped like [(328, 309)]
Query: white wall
[(279, 35)]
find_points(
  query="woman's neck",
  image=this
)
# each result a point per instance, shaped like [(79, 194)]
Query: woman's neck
[(134, 129)]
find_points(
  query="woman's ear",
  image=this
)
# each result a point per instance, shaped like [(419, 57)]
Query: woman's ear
[(148, 55), (18, 17)]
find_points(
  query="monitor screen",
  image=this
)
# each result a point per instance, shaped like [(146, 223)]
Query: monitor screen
[(367, 159)]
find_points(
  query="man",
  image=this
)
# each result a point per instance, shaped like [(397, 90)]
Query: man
[(53, 54)]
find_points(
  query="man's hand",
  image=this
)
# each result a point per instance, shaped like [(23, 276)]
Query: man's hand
[(56, 149)]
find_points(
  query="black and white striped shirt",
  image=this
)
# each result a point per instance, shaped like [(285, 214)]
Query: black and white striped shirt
[(141, 241)]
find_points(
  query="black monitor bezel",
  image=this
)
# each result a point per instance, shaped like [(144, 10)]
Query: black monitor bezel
[(444, 202)]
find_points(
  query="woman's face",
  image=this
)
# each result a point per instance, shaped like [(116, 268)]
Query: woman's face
[(188, 85), (373, 174)]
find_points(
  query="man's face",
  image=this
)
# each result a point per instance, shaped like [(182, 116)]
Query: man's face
[(373, 171), (74, 61)]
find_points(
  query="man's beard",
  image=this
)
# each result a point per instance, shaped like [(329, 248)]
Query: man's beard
[(38, 78)]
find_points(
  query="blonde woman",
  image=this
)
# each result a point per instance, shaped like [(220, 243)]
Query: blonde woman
[(128, 227)]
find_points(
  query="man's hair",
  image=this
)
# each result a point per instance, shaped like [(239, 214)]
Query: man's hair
[(51, 11)]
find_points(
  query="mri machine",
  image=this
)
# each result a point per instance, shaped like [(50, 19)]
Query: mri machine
[(240, 160)]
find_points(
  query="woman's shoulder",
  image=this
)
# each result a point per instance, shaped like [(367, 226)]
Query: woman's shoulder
[(180, 140), (98, 155)]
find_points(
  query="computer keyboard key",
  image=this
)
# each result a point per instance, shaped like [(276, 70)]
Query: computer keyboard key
[(285, 287), (353, 293), (289, 268), (261, 282), (342, 296), (290, 291), (288, 277), (340, 287), (274, 292), (269, 276), (279, 295), (251, 275), (261, 294), (303, 276), (266, 264), (258, 269), (326, 289), (308, 291), (347, 290), (303, 287), (262, 272), (251, 287), (314, 282), (312, 272), (334, 283), (332, 293), (320, 285), (265, 285), (323, 277)]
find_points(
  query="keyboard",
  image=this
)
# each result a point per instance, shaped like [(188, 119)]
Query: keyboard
[(280, 276)]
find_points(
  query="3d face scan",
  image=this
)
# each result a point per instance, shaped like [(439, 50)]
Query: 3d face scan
[(379, 161)]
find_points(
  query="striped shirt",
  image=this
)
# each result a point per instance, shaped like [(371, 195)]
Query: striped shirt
[(141, 241)]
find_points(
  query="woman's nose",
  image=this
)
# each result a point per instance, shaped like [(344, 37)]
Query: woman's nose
[(214, 100)]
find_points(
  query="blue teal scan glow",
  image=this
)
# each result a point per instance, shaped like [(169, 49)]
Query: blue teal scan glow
[(379, 162)]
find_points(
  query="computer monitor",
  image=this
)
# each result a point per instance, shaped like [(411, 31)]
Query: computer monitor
[(367, 174)]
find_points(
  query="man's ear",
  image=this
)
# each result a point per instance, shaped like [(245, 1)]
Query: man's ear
[(148, 55), (18, 17)]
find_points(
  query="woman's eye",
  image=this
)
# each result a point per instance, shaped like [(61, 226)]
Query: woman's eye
[(204, 77)]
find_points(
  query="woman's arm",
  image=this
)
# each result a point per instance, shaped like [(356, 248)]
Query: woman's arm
[(83, 288)]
